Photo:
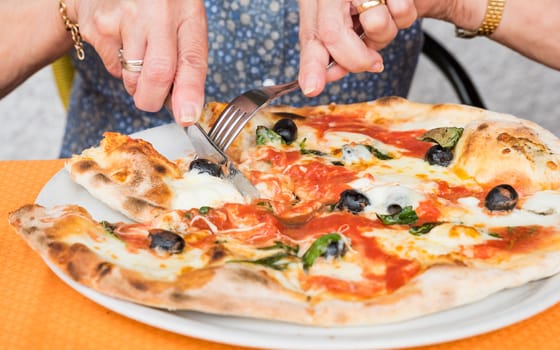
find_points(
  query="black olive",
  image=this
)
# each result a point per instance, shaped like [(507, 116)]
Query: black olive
[(394, 209), (205, 166), (501, 197), (335, 249), (352, 200), (166, 240), (438, 155), (287, 129)]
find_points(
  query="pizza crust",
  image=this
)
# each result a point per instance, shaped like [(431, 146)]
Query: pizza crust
[(249, 291)]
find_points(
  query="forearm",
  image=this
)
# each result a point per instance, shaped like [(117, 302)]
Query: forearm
[(32, 35), (528, 27)]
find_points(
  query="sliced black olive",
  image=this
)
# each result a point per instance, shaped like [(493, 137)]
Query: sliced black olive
[(438, 155), (335, 249), (166, 240), (205, 166), (394, 209), (352, 200), (287, 129), (501, 197)]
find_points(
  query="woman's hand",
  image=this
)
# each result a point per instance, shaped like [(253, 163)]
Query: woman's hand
[(326, 29), (169, 36)]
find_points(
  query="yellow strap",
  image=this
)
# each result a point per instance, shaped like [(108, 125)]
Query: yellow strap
[(63, 71)]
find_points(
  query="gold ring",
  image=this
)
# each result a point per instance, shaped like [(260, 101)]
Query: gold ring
[(363, 7), (130, 65)]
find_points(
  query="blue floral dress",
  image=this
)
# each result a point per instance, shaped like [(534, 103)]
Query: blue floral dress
[(251, 42)]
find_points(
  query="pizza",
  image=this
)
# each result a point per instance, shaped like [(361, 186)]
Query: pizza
[(368, 213)]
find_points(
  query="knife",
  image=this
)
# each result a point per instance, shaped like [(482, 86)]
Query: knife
[(206, 149)]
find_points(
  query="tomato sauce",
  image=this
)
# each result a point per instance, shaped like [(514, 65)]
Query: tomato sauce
[(322, 182), (452, 193), (397, 271), (518, 239), (407, 140)]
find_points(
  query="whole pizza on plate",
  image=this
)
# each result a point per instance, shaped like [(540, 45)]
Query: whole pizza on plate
[(368, 213)]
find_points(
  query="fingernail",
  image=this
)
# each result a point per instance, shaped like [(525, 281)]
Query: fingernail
[(377, 67), (310, 85), (188, 114)]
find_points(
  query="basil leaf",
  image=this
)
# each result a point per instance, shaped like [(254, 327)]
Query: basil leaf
[(267, 136), (445, 137), (204, 210), (422, 229), (272, 261), (266, 205), (406, 216), (280, 245), (304, 151), (377, 153), (318, 248), (109, 229)]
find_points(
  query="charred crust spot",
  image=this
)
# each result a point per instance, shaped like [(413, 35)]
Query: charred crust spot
[(56, 248), (179, 297), (104, 268), (101, 178), (388, 101), (73, 271), (482, 126), (160, 169), (252, 276), (139, 285), (135, 205), (217, 253), (85, 165), (506, 151), (29, 230)]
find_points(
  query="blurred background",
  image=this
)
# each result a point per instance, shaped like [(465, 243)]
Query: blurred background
[(32, 117)]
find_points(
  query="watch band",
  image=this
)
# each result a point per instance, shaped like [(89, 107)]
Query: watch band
[(492, 18)]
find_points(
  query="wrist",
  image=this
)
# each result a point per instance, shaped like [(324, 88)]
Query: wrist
[(468, 14)]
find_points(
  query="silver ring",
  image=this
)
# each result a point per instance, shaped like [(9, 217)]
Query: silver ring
[(363, 7), (130, 65)]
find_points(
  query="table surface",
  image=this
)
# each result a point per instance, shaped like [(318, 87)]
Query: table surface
[(39, 311)]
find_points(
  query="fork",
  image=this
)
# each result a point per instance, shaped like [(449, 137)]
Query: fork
[(242, 108)]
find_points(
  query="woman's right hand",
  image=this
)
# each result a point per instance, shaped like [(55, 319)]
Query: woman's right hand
[(169, 36)]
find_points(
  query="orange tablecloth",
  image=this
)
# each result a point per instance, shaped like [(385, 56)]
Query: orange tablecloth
[(39, 311)]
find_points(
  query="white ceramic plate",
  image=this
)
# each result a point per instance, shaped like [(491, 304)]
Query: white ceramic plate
[(494, 312)]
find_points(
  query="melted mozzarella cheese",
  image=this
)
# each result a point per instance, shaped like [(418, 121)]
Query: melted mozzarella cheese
[(336, 268), (382, 195), (441, 240), (544, 202), (196, 190), (148, 263), (356, 154), (472, 214)]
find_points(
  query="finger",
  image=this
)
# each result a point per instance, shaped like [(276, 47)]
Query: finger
[(188, 89), (403, 12), (133, 48), (159, 67), (379, 27), (103, 33), (344, 45), (335, 73), (314, 57)]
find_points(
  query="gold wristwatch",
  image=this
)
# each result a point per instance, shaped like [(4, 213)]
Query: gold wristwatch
[(491, 20)]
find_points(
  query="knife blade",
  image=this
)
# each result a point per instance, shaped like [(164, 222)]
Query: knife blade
[(205, 148)]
